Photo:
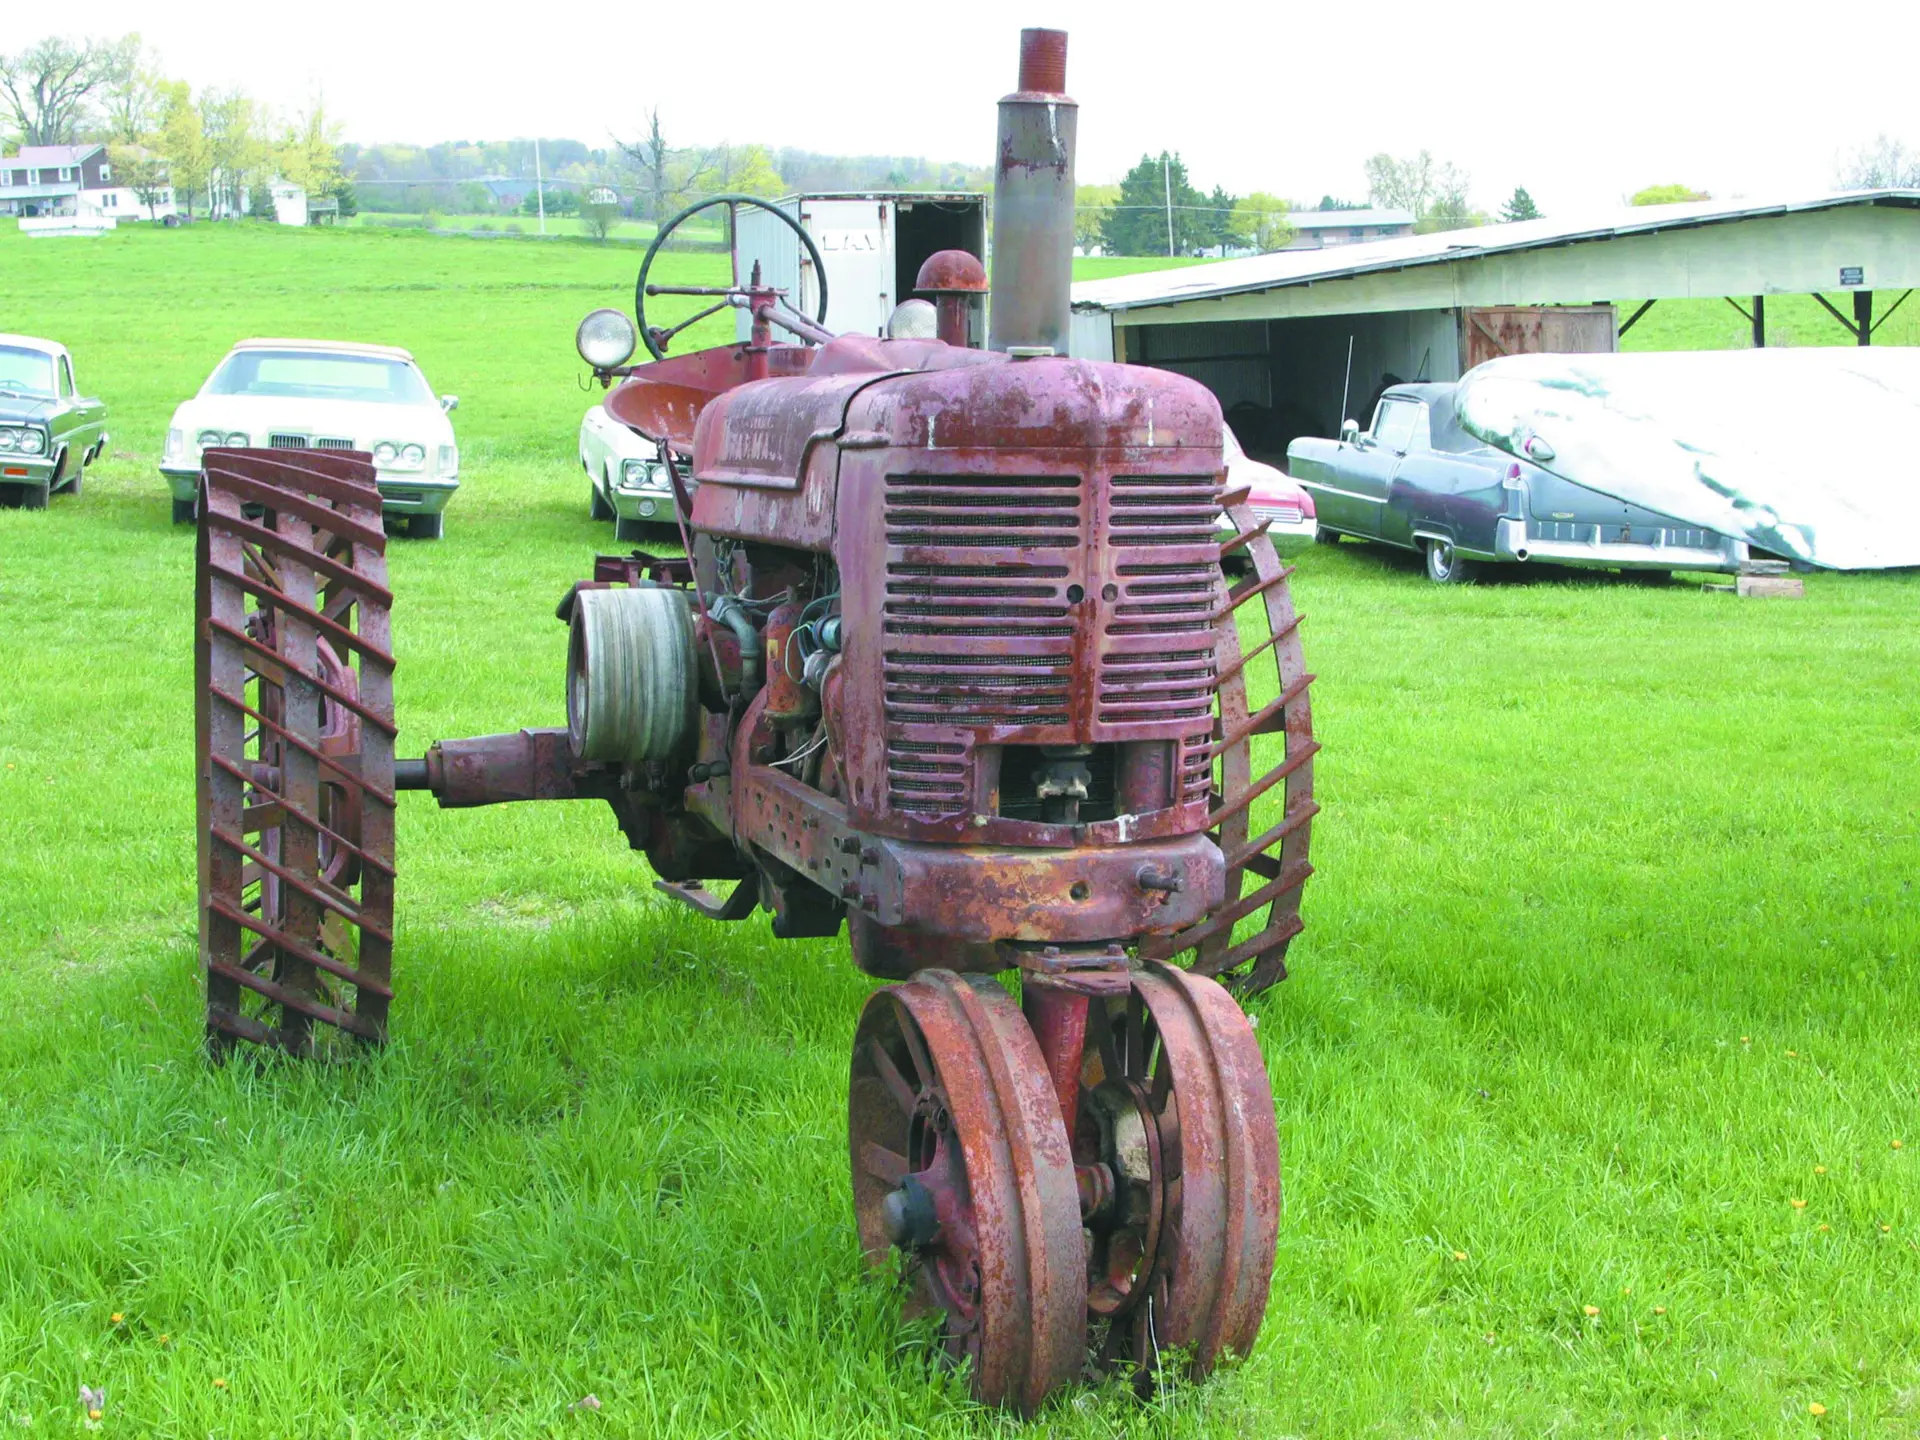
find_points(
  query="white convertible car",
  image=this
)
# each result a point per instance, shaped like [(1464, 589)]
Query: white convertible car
[(324, 395), (627, 483)]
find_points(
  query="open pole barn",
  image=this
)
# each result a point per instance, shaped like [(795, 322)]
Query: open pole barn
[(1294, 342)]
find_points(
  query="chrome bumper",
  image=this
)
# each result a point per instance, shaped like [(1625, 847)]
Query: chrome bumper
[(1583, 546)]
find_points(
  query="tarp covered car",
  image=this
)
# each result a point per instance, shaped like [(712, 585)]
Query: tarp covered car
[(1804, 453)]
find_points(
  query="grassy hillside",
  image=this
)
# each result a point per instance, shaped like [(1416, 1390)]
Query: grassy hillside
[(1589, 1074)]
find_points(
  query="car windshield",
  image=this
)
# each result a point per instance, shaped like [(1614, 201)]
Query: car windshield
[(320, 375), (25, 372)]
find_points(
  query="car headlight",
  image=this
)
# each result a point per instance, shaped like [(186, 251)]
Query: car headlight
[(605, 339), (238, 439), (32, 442), (414, 454), (206, 439), (9, 439), (449, 460), (639, 474), (176, 442), (385, 453)]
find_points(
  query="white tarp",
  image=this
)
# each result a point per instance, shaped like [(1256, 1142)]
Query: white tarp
[(1813, 454)]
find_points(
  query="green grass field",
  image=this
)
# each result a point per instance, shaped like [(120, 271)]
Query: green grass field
[(1611, 964)]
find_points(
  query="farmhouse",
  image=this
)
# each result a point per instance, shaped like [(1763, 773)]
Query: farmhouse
[(1317, 229), (70, 181), (1296, 341)]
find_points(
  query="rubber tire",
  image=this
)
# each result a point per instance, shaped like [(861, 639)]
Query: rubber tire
[(426, 527), (1324, 536), (1445, 565), (597, 506), (34, 497), (627, 528), (185, 512)]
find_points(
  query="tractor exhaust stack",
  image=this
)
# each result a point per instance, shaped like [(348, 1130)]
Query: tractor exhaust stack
[(1033, 202)]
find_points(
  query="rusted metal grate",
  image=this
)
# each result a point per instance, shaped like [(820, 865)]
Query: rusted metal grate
[(294, 741)]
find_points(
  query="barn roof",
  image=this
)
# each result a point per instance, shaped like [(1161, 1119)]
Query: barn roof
[(1290, 268)]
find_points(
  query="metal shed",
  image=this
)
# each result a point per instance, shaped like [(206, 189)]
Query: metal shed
[(1272, 335)]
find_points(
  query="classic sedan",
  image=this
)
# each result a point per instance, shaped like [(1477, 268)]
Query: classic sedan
[(49, 431), (1276, 498), (325, 395), (626, 483), (1417, 480)]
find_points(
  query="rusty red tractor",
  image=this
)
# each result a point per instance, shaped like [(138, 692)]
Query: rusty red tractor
[(954, 658)]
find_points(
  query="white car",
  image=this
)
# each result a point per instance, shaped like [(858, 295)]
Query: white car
[(627, 483), (324, 395)]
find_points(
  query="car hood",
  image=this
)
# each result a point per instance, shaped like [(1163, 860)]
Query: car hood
[(363, 422), (18, 408)]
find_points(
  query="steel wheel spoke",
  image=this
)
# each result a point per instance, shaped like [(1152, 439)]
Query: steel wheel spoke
[(903, 1094)]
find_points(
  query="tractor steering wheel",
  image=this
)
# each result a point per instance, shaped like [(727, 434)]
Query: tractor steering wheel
[(732, 296)]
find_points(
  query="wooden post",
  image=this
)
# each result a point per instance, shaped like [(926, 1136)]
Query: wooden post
[(1759, 322), (1863, 315)]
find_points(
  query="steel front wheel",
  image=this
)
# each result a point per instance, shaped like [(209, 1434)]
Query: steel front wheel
[(961, 1163), (1175, 1106)]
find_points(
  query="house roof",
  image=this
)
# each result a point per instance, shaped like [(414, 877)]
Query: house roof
[(1341, 219), (35, 156), (343, 347), (1286, 268)]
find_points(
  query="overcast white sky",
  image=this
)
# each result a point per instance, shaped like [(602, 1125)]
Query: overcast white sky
[(1580, 103)]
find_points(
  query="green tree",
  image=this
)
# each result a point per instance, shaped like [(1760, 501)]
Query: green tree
[(1519, 207), (344, 196), (598, 217), (308, 154), (1158, 212), (1327, 202), (130, 98), (182, 144), (1667, 195), (1449, 207), (46, 88), (142, 173), (235, 154), (1405, 184), (1216, 221), (1091, 206), (1260, 221)]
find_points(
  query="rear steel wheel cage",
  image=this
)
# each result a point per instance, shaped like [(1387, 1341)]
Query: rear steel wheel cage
[(1266, 868), (294, 749)]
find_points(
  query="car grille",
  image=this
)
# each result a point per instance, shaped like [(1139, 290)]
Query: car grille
[(287, 440)]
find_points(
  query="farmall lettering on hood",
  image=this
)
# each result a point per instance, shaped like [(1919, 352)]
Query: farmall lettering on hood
[(951, 661), (1806, 453)]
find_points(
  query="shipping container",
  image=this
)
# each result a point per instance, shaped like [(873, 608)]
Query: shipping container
[(872, 245)]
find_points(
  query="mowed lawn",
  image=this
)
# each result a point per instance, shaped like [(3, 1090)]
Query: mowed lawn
[(1598, 1074)]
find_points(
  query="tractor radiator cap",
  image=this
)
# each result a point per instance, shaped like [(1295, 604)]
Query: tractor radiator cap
[(632, 677)]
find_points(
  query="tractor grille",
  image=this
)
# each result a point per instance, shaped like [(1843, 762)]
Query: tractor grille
[(984, 642), (1157, 655)]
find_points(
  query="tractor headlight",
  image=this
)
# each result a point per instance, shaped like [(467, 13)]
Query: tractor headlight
[(605, 339), (207, 439)]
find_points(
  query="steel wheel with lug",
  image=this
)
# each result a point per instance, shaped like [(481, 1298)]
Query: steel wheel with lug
[(1176, 1109), (961, 1162)]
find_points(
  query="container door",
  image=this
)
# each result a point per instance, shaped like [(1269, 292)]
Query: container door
[(1492, 330), (855, 239)]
